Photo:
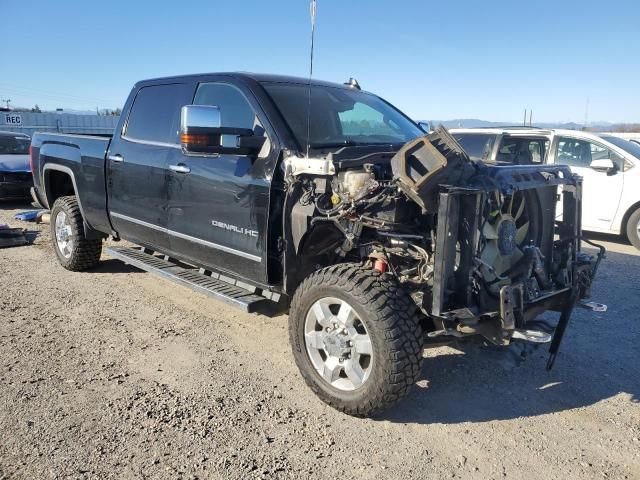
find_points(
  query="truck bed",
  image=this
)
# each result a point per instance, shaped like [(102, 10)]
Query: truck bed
[(83, 158)]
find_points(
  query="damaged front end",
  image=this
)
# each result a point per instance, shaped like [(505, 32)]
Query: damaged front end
[(478, 247), (500, 258)]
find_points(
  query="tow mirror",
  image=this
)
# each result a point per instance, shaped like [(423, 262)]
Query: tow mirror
[(202, 133), (604, 165)]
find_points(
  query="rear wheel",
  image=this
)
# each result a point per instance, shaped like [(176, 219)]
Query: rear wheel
[(633, 229), (356, 338), (73, 250)]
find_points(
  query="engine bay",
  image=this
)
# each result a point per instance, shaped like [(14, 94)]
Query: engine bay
[(477, 247)]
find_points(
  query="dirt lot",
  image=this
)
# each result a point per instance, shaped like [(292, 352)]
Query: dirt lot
[(117, 374)]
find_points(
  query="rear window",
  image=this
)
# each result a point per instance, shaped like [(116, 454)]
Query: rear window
[(477, 145), (10, 145), (155, 113)]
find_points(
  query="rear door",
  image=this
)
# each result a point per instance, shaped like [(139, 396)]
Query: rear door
[(218, 205), (601, 190), (137, 178)]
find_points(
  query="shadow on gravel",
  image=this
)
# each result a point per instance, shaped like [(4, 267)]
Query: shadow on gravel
[(111, 265), (598, 360), (605, 237), (21, 205)]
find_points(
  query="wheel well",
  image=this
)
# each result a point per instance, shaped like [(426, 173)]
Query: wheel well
[(316, 250), (625, 218), (58, 184)]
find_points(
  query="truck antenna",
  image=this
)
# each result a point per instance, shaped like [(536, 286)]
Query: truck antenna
[(312, 13)]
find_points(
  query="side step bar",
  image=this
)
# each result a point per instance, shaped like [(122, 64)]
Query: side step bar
[(191, 278)]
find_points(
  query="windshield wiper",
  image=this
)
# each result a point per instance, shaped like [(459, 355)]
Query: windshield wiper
[(343, 143), (349, 143)]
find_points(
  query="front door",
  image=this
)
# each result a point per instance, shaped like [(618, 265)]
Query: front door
[(601, 190), (137, 165), (219, 204)]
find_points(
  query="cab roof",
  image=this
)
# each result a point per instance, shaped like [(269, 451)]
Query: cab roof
[(257, 77), (532, 131)]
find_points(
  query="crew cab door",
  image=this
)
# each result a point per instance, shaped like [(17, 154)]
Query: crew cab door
[(137, 181), (219, 204), (601, 189)]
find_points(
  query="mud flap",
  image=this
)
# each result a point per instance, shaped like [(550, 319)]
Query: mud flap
[(565, 316)]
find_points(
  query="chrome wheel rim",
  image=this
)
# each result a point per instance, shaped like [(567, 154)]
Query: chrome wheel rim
[(64, 238), (338, 344)]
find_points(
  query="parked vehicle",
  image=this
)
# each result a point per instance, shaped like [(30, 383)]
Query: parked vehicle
[(355, 224), (608, 165), (15, 171)]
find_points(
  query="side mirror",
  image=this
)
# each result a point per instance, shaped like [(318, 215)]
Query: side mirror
[(604, 165), (201, 132)]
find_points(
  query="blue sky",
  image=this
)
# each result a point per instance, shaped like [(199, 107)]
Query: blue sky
[(442, 60)]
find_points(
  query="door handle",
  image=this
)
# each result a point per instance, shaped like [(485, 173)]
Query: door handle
[(116, 158), (180, 168)]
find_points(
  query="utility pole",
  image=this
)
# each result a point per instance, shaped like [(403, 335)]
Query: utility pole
[(7, 101), (524, 122), (586, 114), (530, 117)]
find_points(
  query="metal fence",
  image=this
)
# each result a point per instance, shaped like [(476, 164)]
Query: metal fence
[(31, 122)]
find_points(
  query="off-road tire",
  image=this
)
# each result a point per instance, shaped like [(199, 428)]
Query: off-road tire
[(84, 253), (632, 229), (389, 315)]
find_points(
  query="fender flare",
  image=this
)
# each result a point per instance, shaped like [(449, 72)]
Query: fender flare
[(89, 231)]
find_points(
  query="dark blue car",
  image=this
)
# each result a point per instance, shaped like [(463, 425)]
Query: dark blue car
[(15, 170)]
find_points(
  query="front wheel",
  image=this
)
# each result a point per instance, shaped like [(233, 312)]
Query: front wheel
[(633, 229), (73, 250), (356, 338)]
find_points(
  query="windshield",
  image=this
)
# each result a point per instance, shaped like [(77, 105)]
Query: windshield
[(630, 147), (340, 116), (10, 145)]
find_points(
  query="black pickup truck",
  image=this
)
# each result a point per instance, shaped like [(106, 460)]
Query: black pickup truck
[(280, 194)]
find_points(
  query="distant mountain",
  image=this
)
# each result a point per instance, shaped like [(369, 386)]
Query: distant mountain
[(477, 123)]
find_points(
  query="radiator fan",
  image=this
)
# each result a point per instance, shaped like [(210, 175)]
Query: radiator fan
[(506, 232)]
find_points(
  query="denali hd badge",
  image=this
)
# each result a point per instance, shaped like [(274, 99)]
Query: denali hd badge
[(233, 228)]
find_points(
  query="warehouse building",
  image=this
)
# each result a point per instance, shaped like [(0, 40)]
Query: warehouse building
[(52, 122)]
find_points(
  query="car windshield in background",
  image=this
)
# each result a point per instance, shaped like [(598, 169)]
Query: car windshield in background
[(631, 147), (10, 145), (477, 145), (340, 116)]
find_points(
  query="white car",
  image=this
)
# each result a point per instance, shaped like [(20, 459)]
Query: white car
[(609, 165)]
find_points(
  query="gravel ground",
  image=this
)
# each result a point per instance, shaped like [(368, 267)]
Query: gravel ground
[(117, 374)]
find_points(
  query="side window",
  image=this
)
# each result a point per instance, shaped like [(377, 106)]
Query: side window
[(155, 113), (522, 151), (580, 153), (538, 150), (235, 109), (477, 146)]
